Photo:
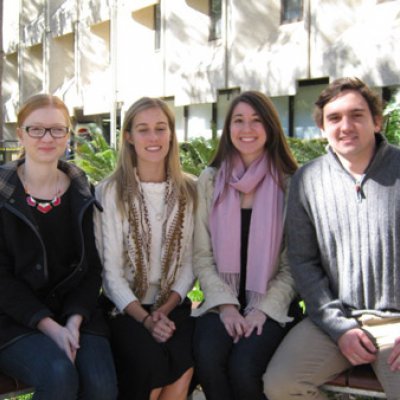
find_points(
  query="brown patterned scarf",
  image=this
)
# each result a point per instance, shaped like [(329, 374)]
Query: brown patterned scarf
[(139, 240)]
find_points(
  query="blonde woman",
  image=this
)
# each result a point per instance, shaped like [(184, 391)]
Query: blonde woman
[(145, 239)]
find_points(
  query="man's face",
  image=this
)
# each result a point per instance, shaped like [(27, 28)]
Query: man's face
[(349, 126)]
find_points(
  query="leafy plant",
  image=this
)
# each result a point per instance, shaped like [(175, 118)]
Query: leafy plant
[(196, 154), (196, 295), (94, 155), (305, 150), (392, 120)]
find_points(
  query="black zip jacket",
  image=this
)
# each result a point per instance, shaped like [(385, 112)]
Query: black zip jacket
[(25, 294)]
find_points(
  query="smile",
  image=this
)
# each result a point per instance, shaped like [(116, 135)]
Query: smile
[(248, 139), (153, 148), (348, 138)]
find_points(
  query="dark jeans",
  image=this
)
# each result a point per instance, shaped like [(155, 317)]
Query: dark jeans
[(37, 361), (228, 371)]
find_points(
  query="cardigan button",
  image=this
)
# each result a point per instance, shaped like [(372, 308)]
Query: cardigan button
[(12, 201), (38, 267)]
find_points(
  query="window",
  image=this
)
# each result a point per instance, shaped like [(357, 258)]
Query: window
[(307, 93), (157, 27), (215, 12), (292, 11)]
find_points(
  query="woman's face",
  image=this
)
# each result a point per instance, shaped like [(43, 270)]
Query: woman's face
[(247, 132), (45, 149), (151, 136)]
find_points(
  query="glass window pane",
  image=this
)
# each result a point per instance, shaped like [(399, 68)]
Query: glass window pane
[(292, 10), (216, 19)]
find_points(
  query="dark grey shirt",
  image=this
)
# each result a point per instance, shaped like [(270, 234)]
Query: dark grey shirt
[(344, 239)]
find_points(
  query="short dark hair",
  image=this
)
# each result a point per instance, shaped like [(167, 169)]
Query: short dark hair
[(338, 86)]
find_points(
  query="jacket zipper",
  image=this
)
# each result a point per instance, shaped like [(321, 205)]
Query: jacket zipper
[(29, 223), (359, 191)]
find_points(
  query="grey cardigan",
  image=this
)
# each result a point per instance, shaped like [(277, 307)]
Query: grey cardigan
[(343, 243), (280, 293)]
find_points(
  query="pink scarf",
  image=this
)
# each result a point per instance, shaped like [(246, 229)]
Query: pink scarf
[(266, 226)]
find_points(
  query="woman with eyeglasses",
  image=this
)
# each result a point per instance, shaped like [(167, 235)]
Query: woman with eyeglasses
[(52, 334)]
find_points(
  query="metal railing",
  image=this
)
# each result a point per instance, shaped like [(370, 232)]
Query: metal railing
[(9, 150)]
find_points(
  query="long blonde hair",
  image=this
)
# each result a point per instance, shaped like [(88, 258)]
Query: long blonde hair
[(124, 174)]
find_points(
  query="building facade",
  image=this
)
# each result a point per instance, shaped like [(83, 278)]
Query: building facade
[(101, 55)]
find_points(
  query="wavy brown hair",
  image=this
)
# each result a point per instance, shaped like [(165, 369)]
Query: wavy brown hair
[(276, 146), (340, 85)]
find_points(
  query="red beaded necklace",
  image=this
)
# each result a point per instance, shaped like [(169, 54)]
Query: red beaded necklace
[(43, 206)]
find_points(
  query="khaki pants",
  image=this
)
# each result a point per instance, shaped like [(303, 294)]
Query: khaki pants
[(307, 358)]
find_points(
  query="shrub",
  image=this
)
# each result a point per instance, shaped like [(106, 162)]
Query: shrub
[(392, 120), (94, 155)]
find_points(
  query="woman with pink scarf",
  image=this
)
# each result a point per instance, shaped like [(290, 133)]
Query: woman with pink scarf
[(239, 255)]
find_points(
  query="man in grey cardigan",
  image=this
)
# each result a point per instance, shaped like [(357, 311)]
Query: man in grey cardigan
[(343, 232)]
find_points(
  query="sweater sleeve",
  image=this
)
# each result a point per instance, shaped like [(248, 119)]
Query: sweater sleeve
[(216, 292), (312, 280), (280, 293), (110, 240), (185, 280)]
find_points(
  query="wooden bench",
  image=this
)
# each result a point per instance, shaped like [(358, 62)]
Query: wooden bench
[(10, 387), (360, 380)]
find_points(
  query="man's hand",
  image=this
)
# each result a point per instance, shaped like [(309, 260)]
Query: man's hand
[(357, 347), (394, 356), (233, 321)]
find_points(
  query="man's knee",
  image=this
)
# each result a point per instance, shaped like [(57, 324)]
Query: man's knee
[(277, 384)]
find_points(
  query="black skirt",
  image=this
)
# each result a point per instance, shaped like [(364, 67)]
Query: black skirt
[(142, 363)]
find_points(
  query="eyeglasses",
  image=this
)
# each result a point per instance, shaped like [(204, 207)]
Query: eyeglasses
[(38, 131)]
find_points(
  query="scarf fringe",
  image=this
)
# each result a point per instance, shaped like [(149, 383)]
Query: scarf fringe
[(266, 227), (232, 280), (253, 299)]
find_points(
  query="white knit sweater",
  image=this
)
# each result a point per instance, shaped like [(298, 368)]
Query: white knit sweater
[(111, 229)]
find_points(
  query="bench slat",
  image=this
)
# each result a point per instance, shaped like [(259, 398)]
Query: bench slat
[(10, 387), (360, 380)]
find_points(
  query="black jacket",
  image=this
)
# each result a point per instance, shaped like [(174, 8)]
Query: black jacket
[(25, 296)]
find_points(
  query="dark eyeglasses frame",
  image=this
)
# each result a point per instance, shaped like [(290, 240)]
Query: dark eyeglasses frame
[(45, 130)]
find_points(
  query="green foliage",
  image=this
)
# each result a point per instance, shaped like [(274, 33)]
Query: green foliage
[(305, 150), (392, 120), (196, 295), (22, 397), (196, 154), (94, 155)]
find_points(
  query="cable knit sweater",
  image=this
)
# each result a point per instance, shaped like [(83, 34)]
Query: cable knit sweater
[(111, 229), (344, 240)]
